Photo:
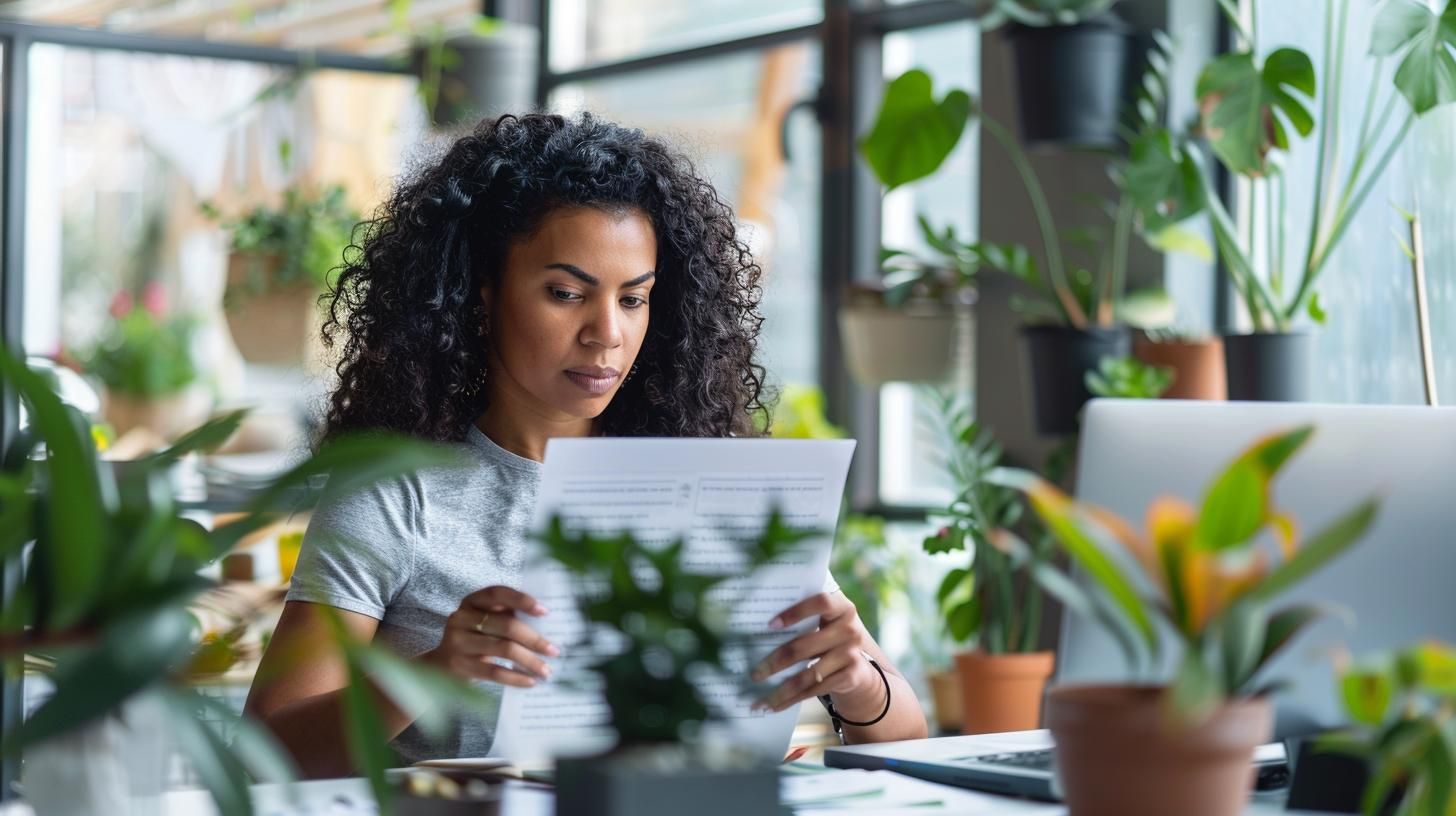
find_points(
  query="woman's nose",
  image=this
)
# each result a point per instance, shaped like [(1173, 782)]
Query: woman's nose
[(604, 327)]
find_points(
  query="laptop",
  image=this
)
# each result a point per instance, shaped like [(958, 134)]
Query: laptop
[(1394, 584)]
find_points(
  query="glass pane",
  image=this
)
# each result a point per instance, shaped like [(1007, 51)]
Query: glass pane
[(125, 149), (733, 136), (910, 445), (1368, 350), (589, 31)]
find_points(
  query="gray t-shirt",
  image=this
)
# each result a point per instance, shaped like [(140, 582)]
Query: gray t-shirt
[(406, 551)]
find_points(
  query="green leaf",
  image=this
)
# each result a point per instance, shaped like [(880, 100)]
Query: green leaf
[(1195, 692), (913, 133), (207, 437), (219, 769), (133, 653), (1246, 107), (1316, 310), (954, 540), (364, 733), (1430, 667), (1330, 542), (76, 516), (1283, 626), (428, 695), (1237, 503), (1062, 521), (1427, 74), (953, 581), (1242, 628), (1163, 182), (1178, 239), (964, 620)]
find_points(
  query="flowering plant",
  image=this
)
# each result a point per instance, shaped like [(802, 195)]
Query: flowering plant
[(144, 351)]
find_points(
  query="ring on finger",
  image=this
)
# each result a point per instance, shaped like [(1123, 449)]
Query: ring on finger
[(480, 625)]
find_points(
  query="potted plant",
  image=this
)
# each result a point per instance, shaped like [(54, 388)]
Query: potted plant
[(1074, 314), (647, 601), (1248, 107), (991, 602), (906, 327), (1208, 578), (144, 357), (1403, 730), (1128, 378), (280, 260), (1075, 62), (111, 564), (1196, 362)]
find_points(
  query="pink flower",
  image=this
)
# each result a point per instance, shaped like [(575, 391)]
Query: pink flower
[(154, 299), (121, 305)]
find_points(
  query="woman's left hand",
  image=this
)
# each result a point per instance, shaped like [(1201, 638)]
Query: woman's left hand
[(835, 651)]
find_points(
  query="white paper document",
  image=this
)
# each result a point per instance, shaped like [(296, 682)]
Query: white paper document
[(713, 493)]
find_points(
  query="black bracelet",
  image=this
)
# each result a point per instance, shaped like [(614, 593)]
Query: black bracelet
[(838, 719)]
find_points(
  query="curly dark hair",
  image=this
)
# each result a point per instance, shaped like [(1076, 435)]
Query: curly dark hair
[(407, 299)]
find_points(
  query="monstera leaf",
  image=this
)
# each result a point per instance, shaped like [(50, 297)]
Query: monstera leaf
[(913, 133), (1247, 109), (1162, 180), (1427, 74)]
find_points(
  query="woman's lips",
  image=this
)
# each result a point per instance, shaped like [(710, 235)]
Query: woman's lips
[(594, 383)]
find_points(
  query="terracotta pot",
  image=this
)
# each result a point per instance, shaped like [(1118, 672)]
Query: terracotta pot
[(1118, 755), (1002, 692), (945, 694), (1198, 366), (912, 343), (273, 326)]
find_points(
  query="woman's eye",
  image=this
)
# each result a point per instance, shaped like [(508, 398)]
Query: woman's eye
[(633, 302), (563, 295)]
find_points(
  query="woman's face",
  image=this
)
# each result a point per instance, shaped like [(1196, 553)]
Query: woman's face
[(570, 310)]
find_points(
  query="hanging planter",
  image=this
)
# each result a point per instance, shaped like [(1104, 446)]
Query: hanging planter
[(1269, 367), (1060, 357), (1072, 81), (916, 341), (272, 326)]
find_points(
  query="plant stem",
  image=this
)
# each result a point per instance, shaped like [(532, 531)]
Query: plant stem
[(1056, 272), (1117, 276), (1344, 218), (1326, 126), (1276, 274)]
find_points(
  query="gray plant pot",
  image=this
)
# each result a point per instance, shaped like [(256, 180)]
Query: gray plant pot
[(616, 784), (1060, 357), (1269, 367)]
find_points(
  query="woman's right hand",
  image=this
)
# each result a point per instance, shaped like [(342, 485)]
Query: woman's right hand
[(485, 626)]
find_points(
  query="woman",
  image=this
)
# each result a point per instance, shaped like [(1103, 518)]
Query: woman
[(548, 277)]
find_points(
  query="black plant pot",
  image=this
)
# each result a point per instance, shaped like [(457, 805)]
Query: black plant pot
[(1060, 357), (1072, 81), (1269, 367), (616, 784)]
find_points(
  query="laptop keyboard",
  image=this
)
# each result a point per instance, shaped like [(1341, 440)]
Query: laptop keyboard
[(1028, 760)]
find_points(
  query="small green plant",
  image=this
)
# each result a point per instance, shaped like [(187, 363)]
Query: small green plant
[(991, 601), (798, 413), (295, 244), (869, 574), (144, 351), (1403, 707), (114, 563), (949, 272), (1128, 378), (1211, 575), (670, 631)]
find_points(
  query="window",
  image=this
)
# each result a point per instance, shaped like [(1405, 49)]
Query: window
[(591, 31), (911, 444), (1368, 350)]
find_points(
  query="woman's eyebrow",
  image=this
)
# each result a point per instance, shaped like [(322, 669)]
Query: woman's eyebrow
[(577, 272)]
